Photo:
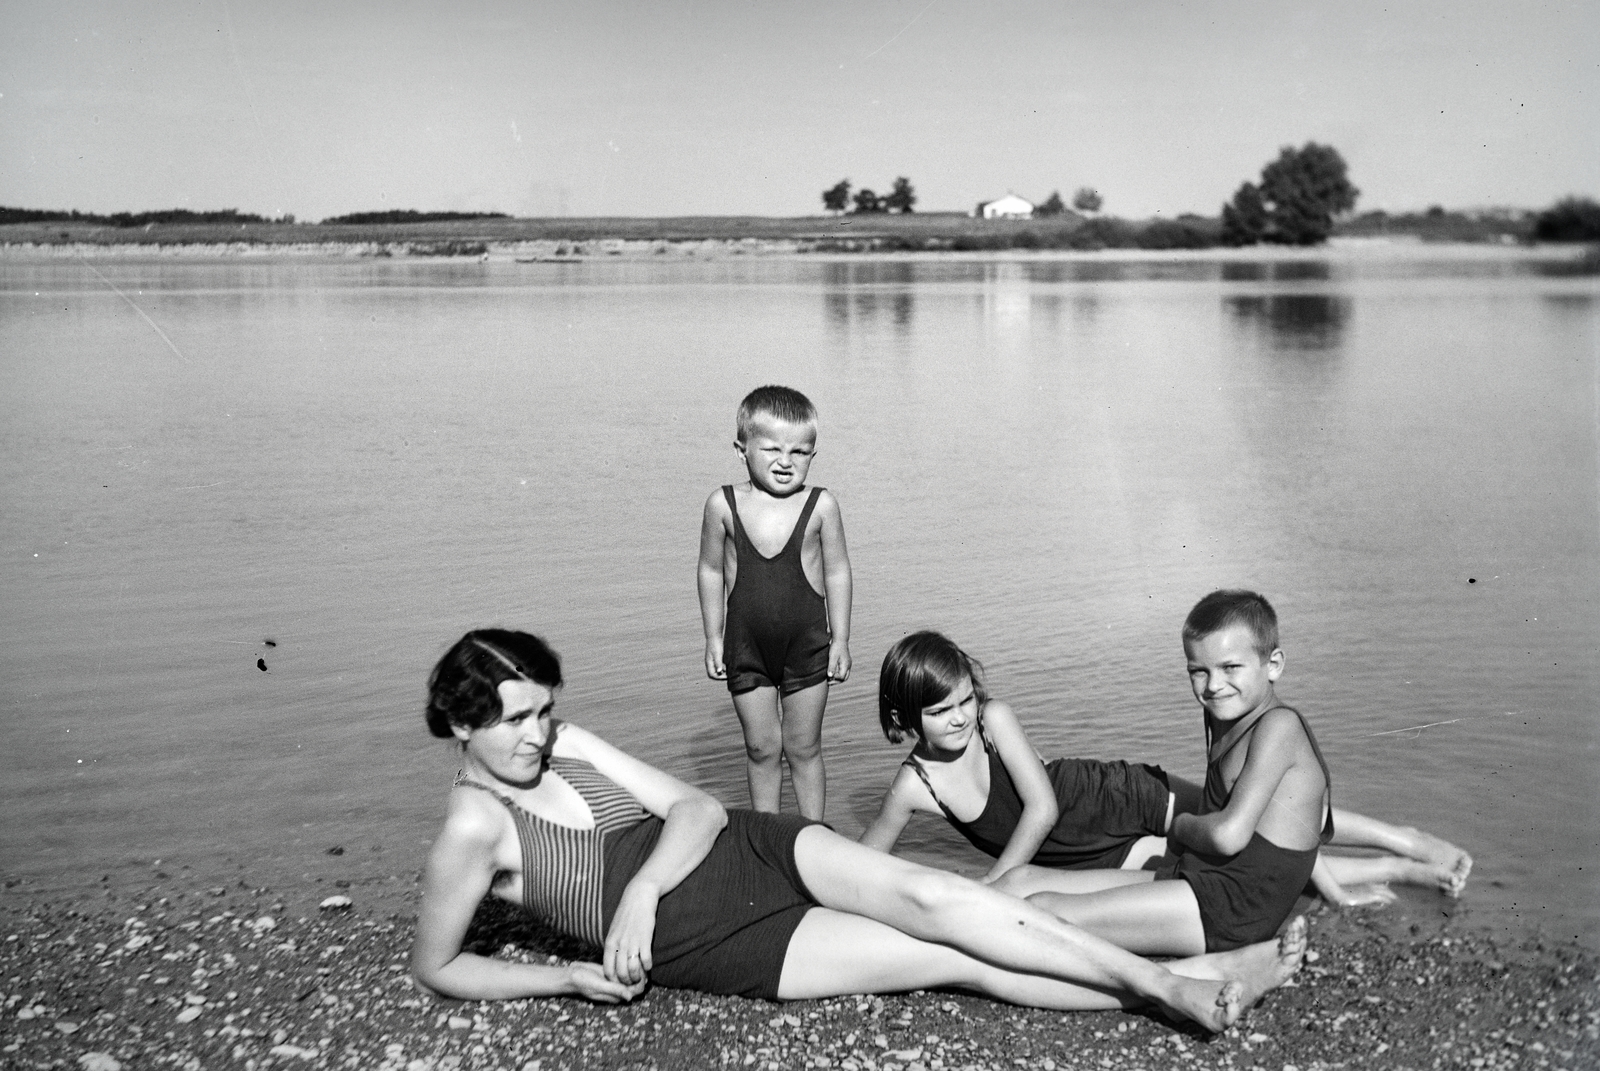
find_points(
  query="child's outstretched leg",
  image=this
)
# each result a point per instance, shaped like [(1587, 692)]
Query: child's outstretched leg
[(1443, 864), (763, 745), (802, 747)]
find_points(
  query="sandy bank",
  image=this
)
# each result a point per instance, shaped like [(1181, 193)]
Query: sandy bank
[(551, 251)]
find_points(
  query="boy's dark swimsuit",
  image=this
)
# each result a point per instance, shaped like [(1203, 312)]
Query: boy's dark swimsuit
[(775, 633), (724, 929), (1244, 898), (1105, 807)]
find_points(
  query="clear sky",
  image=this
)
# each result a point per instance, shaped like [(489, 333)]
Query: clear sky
[(712, 107)]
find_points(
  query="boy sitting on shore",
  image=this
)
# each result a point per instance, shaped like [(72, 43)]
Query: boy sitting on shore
[(1267, 807), (766, 548)]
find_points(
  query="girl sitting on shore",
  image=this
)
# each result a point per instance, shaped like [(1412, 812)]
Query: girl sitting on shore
[(973, 758), (674, 889)]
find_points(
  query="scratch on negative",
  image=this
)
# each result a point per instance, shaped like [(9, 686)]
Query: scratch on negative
[(134, 306), (1416, 728), (903, 29)]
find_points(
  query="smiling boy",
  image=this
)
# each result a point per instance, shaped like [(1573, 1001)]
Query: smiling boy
[(1267, 808), (774, 581)]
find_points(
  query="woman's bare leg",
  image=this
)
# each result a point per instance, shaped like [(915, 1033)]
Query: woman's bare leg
[(834, 953), (989, 925)]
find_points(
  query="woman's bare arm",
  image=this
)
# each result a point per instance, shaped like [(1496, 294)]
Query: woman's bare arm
[(460, 868), (692, 820)]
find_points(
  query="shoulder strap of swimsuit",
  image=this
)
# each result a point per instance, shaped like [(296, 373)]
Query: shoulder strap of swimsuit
[(733, 507), (983, 734), (911, 761), (805, 518), (1216, 750)]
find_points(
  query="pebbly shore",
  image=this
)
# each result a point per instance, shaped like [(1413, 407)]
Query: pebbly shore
[(227, 977)]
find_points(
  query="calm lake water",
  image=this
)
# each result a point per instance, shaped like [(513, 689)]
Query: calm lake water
[(1050, 459)]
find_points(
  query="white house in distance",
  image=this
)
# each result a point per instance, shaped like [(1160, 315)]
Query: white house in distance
[(1008, 207)]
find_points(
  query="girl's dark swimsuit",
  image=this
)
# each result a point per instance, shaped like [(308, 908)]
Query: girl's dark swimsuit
[(1244, 898), (1105, 807), (724, 929), (775, 633)]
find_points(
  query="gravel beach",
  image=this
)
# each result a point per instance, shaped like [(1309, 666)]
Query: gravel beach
[(226, 977)]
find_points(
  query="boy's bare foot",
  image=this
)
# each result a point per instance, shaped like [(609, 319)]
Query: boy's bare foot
[(1211, 1003), (1248, 974), (1453, 865), (1260, 968), (1457, 879)]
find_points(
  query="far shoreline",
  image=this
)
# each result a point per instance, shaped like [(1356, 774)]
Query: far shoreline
[(602, 249)]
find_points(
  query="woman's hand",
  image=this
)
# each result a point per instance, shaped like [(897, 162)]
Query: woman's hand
[(589, 981), (627, 948)]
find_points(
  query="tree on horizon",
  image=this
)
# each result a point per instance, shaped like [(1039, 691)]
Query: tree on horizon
[(1299, 194), (836, 199), (1087, 200), (901, 198)]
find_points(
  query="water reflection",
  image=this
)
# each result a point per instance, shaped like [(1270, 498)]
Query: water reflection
[(860, 293), (1296, 322), (1288, 271)]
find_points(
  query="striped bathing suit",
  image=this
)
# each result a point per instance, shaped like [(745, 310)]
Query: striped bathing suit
[(563, 869), (724, 929)]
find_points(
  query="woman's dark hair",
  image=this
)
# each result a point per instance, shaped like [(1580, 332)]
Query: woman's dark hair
[(464, 688), (919, 671)]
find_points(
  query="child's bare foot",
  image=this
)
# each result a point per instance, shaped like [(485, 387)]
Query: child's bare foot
[(1249, 973), (1457, 878), (1211, 1003), (1452, 863)]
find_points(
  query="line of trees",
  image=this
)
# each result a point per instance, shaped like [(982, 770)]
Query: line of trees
[(411, 215), (1087, 200), (1299, 194), (838, 199), (130, 219)]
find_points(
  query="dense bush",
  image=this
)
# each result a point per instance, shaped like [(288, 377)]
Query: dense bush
[(1573, 219)]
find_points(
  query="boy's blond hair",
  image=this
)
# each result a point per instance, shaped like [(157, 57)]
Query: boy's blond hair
[(780, 403), (1234, 606)]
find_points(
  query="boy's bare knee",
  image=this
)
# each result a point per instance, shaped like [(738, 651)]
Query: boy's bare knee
[(802, 751), (763, 752)]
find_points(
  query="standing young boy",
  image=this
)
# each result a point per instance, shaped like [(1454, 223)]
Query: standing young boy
[(1267, 808), (774, 582)]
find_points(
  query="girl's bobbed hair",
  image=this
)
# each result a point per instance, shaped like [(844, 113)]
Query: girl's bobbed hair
[(919, 671), (464, 688)]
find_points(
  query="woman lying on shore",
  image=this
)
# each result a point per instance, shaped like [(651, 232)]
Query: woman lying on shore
[(674, 889), (972, 757)]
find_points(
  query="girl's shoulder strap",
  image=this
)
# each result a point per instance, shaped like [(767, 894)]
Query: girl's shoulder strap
[(983, 734), (922, 774)]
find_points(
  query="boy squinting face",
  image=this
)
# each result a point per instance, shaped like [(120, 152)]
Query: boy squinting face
[(1228, 674), (778, 454)]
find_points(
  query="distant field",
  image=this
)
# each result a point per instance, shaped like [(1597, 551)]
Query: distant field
[(855, 233), (919, 230)]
